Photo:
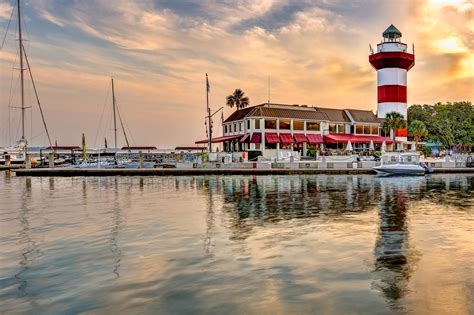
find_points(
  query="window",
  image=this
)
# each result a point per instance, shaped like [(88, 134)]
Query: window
[(257, 123), (285, 125), (248, 124), (235, 127), (359, 129), (332, 128), (241, 126), (341, 128), (313, 126), (374, 130), (367, 130), (270, 124), (225, 128), (298, 125)]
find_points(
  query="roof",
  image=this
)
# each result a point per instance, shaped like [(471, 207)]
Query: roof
[(392, 32), (290, 111), (364, 116), (139, 148)]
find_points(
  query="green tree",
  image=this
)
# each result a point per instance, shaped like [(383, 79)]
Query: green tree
[(417, 130), (449, 123), (237, 99), (394, 121)]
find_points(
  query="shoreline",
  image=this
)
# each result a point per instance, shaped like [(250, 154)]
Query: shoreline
[(71, 172)]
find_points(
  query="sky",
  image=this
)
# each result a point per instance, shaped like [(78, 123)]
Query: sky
[(158, 51)]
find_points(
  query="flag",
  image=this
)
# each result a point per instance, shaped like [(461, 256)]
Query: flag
[(208, 86)]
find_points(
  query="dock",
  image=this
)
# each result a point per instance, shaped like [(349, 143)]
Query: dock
[(77, 172)]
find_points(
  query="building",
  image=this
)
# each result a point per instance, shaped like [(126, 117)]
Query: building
[(267, 128), (392, 62)]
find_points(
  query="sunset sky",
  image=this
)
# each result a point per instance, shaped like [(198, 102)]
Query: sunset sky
[(158, 51)]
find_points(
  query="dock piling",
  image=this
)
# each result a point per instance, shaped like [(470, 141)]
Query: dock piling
[(51, 160)]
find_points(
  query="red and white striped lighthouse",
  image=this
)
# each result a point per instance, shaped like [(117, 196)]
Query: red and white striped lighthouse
[(392, 63)]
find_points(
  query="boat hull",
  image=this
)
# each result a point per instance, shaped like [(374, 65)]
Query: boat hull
[(398, 169)]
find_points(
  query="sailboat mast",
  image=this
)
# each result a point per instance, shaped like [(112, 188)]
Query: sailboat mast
[(22, 82), (115, 117)]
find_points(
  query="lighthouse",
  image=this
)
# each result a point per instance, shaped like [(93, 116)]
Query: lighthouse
[(392, 62)]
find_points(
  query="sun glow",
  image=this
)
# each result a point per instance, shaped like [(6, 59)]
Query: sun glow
[(450, 45)]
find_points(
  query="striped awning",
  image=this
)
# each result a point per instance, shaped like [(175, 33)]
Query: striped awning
[(272, 137), (286, 138), (300, 138), (315, 139), (256, 137)]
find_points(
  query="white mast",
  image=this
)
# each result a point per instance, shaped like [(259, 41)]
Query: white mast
[(115, 118), (20, 41)]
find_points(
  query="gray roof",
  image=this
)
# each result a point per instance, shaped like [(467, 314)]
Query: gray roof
[(290, 111)]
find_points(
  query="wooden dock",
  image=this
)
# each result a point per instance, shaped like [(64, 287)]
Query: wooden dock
[(71, 172)]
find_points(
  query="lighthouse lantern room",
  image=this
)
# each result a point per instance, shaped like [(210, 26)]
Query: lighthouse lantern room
[(392, 62)]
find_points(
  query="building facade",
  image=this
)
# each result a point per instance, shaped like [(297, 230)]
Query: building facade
[(268, 128)]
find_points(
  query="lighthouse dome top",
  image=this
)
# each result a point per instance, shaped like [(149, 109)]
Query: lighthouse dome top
[(392, 33)]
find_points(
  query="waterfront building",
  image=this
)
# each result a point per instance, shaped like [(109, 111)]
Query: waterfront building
[(268, 128)]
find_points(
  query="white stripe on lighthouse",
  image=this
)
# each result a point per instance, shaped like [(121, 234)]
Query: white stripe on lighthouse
[(391, 76), (384, 108)]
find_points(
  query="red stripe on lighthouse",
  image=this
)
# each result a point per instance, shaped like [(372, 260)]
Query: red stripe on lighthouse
[(392, 93)]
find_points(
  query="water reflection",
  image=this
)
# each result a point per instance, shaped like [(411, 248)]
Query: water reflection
[(30, 250), (283, 244), (392, 248)]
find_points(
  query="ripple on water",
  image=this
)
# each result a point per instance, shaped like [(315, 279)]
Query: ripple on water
[(237, 244)]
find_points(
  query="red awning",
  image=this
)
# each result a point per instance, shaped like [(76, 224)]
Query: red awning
[(271, 137), (256, 137), (300, 138), (344, 138), (286, 138), (245, 137), (315, 139), (219, 139)]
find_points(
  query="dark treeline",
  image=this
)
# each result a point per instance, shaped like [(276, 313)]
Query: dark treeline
[(449, 123)]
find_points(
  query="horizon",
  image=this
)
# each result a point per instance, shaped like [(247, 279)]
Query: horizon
[(314, 52)]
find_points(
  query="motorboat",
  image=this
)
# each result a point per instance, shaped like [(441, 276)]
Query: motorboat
[(400, 169), (402, 164)]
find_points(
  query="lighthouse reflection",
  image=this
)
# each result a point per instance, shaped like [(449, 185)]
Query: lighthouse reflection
[(392, 252)]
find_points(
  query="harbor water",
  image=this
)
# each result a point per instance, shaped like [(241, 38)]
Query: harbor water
[(315, 244)]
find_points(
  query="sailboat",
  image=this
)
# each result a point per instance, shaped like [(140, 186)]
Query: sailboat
[(105, 161), (17, 154)]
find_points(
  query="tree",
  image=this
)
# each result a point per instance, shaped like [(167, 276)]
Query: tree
[(394, 121), (417, 130), (449, 123), (237, 99)]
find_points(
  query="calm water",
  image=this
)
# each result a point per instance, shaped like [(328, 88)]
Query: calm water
[(237, 244)]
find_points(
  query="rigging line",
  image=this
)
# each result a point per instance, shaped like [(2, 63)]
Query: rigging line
[(102, 114), (128, 128), (37, 98), (8, 26), (123, 129)]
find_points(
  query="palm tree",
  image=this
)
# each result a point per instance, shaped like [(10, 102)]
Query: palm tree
[(237, 99), (417, 130), (393, 121)]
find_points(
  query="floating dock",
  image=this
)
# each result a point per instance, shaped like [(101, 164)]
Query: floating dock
[(71, 172)]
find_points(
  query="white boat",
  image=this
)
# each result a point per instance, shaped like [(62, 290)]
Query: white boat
[(406, 164), (17, 153), (400, 169)]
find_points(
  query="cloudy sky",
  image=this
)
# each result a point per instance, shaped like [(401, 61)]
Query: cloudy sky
[(158, 51)]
